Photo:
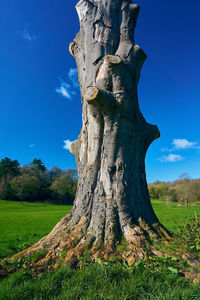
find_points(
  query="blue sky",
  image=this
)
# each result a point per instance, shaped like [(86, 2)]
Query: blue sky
[(39, 97)]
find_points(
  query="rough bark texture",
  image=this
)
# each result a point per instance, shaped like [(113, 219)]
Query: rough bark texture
[(112, 201)]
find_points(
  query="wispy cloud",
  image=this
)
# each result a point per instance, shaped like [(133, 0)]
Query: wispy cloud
[(171, 158), (69, 87), (28, 36), (32, 145), (65, 90), (67, 144), (181, 144), (166, 149)]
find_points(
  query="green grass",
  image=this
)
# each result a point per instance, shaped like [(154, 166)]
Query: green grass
[(99, 282), (172, 216), (22, 223), (25, 223)]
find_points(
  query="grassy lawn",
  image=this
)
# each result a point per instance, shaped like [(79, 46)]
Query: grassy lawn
[(173, 216), (22, 224), (100, 282)]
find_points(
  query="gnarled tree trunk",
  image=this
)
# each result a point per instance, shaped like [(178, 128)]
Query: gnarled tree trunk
[(112, 201)]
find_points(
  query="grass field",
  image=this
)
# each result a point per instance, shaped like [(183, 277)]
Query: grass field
[(173, 216), (100, 282), (22, 224)]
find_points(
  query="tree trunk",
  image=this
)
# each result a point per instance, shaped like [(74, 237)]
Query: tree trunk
[(112, 201)]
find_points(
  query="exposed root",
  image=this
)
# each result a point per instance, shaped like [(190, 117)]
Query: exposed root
[(69, 244)]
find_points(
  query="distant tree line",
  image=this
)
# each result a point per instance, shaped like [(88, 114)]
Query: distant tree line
[(184, 191), (34, 182)]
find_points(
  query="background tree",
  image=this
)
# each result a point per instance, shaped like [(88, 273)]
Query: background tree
[(37, 165), (64, 189), (184, 190), (25, 187), (8, 169), (71, 173), (33, 182), (195, 191), (158, 190), (55, 172)]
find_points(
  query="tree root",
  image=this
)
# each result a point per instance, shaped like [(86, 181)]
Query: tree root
[(68, 244)]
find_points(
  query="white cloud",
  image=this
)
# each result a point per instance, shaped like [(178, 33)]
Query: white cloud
[(67, 144), (69, 88), (171, 158), (27, 36), (65, 90), (183, 144), (73, 77)]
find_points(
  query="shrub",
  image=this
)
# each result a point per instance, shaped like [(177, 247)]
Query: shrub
[(190, 232)]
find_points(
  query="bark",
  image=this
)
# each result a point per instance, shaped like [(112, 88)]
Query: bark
[(112, 201)]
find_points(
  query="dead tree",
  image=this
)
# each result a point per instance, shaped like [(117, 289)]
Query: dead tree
[(112, 201)]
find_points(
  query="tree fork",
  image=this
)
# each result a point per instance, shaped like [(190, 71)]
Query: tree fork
[(112, 201)]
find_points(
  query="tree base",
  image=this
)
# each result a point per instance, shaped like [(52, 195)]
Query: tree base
[(70, 246)]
